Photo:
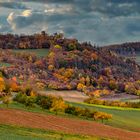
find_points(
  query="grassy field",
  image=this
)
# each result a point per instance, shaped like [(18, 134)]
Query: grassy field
[(22, 133), (4, 64), (126, 118), (8, 132), (133, 100), (38, 52)]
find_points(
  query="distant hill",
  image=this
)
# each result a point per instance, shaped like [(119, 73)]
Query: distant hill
[(130, 48), (71, 65)]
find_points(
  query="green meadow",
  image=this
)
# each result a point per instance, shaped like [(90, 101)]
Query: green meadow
[(2, 64), (127, 118), (38, 52), (9, 132)]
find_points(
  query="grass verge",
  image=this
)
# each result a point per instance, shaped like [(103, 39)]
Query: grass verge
[(9, 132)]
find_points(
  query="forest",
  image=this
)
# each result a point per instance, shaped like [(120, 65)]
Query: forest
[(127, 49), (68, 65)]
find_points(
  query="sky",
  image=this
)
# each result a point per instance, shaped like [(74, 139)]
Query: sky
[(101, 22)]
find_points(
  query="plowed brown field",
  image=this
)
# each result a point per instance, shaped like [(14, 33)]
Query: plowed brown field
[(68, 125)]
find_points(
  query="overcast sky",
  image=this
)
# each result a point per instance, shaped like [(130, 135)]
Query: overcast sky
[(98, 21)]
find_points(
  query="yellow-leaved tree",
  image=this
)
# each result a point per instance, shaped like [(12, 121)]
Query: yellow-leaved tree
[(2, 84), (58, 105)]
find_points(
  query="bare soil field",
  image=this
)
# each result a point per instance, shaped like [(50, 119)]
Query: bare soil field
[(68, 125), (71, 96)]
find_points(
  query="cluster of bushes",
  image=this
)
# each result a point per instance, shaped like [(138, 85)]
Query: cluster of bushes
[(57, 104), (26, 100), (113, 103), (77, 111)]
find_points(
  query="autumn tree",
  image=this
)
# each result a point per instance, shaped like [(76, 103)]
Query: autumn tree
[(130, 88), (100, 81), (2, 84), (82, 80), (71, 47), (58, 47), (29, 102), (58, 105), (50, 67), (6, 100), (94, 56), (87, 81), (102, 116), (113, 85), (80, 87)]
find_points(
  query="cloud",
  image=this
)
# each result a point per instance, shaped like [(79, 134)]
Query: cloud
[(12, 5), (61, 9), (26, 18), (98, 21), (50, 1), (108, 8), (30, 17)]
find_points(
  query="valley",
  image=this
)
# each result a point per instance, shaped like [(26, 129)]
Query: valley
[(45, 82), (69, 70)]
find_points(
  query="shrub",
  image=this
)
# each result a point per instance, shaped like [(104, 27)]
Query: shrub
[(113, 85), (58, 47), (81, 87), (112, 103), (130, 88), (21, 98), (51, 67), (77, 111), (58, 105), (71, 47), (70, 110), (51, 103), (30, 101), (6, 100), (2, 84), (102, 116), (87, 113), (44, 101)]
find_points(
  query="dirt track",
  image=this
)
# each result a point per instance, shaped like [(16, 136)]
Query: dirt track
[(67, 95), (50, 122)]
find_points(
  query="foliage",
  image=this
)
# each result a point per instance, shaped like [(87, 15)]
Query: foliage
[(6, 100), (50, 67), (112, 103), (21, 98), (130, 88), (113, 85), (57, 47), (29, 101), (2, 84), (71, 47), (58, 105), (81, 87), (67, 64), (55, 104), (102, 116)]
